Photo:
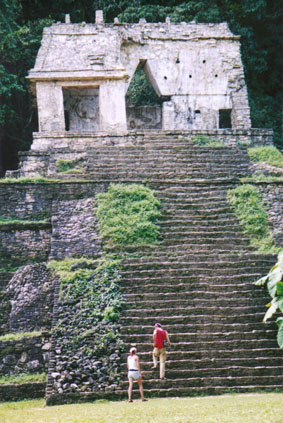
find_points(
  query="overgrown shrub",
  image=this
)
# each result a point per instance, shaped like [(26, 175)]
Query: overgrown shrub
[(19, 335), (270, 155), (128, 214), (203, 140), (68, 166), (274, 284), (87, 332), (250, 210)]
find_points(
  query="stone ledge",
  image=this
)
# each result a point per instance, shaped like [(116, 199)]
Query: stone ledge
[(17, 392)]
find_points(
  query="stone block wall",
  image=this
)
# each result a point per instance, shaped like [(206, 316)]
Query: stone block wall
[(31, 291), (272, 194), (74, 229), (27, 355), (25, 245)]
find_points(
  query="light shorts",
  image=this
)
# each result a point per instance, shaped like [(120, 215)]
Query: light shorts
[(134, 374)]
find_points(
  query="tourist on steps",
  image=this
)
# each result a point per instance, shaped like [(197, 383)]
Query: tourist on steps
[(160, 341), (134, 373)]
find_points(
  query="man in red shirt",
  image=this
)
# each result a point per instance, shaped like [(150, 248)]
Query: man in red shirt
[(160, 341)]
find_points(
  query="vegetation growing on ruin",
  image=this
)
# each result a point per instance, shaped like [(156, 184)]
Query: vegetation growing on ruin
[(90, 303), (270, 155), (18, 336), (68, 166), (128, 215), (260, 177), (8, 221), (249, 208), (273, 282), (23, 378), (204, 141), (35, 180), (140, 91)]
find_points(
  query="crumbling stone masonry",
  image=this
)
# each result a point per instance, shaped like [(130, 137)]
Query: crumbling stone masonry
[(82, 73)]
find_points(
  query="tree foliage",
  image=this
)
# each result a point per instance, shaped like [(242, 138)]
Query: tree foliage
[(259, 22), (274, 284)]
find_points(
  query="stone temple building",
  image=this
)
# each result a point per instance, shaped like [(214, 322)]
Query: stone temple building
[(82, 73), (189, 150)]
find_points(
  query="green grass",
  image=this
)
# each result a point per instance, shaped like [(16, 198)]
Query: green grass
[(260, 177), (23, 180), (203, 140), (249, 408), (270, 155), (68, 166), (128, 214), (249, 208), (18, 336), (6, 221), (23, 378)]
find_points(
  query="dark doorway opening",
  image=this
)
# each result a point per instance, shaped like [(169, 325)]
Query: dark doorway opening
[(225, 118)]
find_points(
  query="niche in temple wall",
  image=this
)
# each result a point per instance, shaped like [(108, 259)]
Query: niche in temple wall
[(81, 109)]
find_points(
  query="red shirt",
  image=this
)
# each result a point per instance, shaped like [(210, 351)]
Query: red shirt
[(160, 337)]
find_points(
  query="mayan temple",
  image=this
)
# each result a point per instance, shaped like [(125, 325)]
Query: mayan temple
[(198, 279)]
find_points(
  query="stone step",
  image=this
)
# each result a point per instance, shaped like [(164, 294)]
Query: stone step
[(139, 177), (171, 227), (185, 263), (194, 269), (206, 382), (183, 317), (196, 327), (193, 294), (235, 257), (158, 312), (196, 337), (193, 391), (179, 248), (220, 241), (229, 372), (192, 303), (140, 167), (248, 278), (204, 235), (22, 391), (206, 344), (213, 367), (213, 357), (197, 290)]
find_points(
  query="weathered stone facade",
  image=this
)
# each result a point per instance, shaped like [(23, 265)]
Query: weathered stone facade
[(31, 290), (83, 71), (74, 229), (27, 355)]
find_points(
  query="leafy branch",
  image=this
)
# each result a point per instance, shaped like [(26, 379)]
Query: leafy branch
[(274, 284)]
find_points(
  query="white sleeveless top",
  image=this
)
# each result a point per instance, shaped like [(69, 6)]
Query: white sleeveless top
[(132, 362)]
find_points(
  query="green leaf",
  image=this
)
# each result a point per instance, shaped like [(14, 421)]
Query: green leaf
[(280, 332), (273, 277), (280, 304), (262, 281), (272, 309), (279, 290)]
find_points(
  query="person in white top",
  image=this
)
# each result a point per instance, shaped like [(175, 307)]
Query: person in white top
[(134, 373)]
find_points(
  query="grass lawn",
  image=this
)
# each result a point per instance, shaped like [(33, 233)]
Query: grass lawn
[(246, 408)]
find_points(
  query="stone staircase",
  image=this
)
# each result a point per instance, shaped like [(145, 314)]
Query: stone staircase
[(198, 281)]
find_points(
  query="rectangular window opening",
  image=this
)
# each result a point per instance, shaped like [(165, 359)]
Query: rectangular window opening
[(225, 118)]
